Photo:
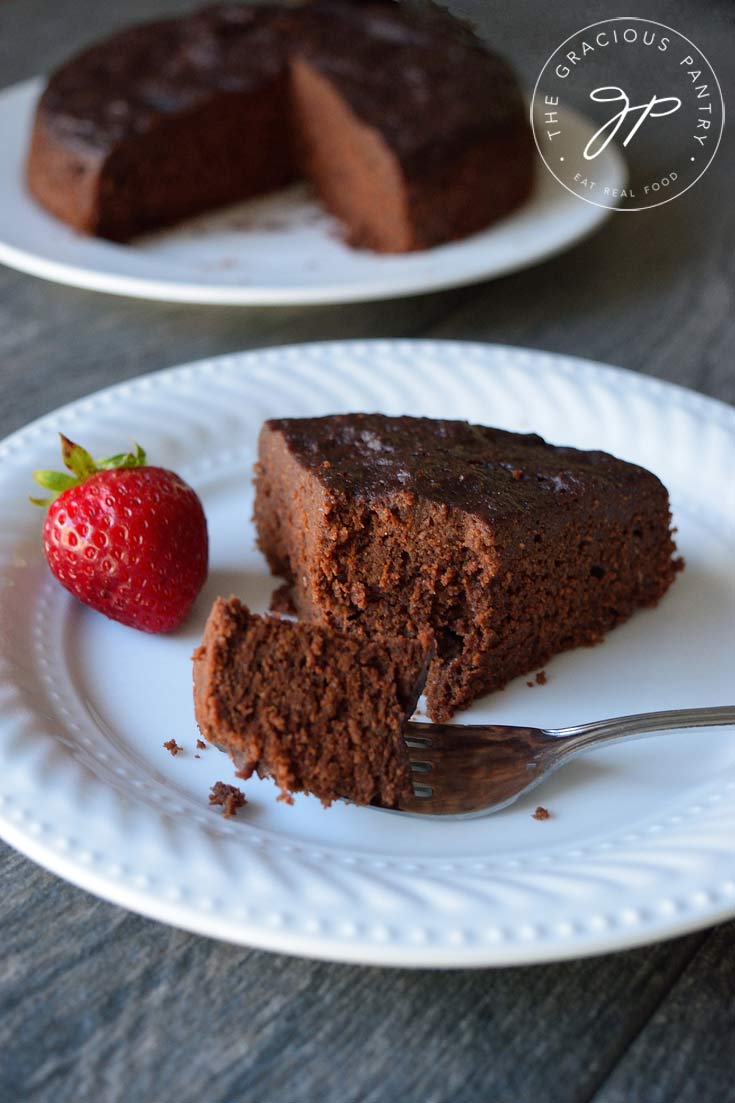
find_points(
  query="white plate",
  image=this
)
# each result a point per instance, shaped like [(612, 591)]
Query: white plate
[(282, 249), (640, 843)]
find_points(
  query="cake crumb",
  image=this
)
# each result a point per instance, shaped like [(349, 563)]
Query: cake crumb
[(172, 747), (517, 473), (197, 756), (201, 745), (282, 601), (541, 813), (541, 678), (228, 797), (530, 685)]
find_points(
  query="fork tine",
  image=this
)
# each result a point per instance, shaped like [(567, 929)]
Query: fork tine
[(417, 741), (423, 792), (419, 767)]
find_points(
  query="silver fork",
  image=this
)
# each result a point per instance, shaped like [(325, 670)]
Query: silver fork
[(474, 769)]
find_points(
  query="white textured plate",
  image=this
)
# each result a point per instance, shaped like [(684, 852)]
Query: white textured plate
[(640, 843), (282, 249)]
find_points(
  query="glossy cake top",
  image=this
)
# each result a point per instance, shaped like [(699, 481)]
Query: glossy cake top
[(122, 85), (418, 75), (491, 473)]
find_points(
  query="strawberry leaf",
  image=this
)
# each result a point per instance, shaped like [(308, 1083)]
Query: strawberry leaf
[(55, 480), (123, 459), (76, 458)]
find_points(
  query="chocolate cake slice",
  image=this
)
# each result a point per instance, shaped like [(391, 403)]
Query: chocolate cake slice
[(409, 128), (504, 548), (316, 709)]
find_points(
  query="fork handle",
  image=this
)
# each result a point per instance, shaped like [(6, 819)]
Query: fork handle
[(580, 736)]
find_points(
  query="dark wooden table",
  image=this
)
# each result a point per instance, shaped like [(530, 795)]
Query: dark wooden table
[(99, 1005)]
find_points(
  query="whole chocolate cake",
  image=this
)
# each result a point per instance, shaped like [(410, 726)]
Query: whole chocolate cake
[(316, 709), (504, 548), (410, 130)]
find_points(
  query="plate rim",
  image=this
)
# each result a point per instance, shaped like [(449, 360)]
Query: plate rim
[(397, 286), (718, 408), (367, 951)]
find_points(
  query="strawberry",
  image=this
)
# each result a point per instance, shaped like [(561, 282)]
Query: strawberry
[(126, 539)]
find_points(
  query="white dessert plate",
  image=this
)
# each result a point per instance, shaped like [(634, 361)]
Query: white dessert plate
[(639, 845), (280, 249)]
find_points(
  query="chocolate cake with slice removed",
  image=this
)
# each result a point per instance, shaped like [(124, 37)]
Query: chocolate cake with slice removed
[(318, 710), (504, 548), (409, 128)]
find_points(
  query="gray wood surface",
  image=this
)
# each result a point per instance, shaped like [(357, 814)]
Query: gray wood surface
[(97, 1004)]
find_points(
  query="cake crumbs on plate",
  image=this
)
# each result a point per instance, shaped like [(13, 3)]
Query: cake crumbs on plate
[(201, 745), (172, 747), (541, 813), (228, 797), (541, 678)]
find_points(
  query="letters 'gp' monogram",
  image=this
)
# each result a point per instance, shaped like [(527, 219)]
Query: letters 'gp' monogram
[(612, 94)]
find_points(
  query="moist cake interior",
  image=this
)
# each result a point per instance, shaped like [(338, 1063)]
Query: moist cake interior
[(317, 710)]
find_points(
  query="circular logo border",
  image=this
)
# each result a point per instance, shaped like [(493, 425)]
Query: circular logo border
[(599, 23)]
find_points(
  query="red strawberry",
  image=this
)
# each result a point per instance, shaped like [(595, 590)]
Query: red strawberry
[(126, 539)]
